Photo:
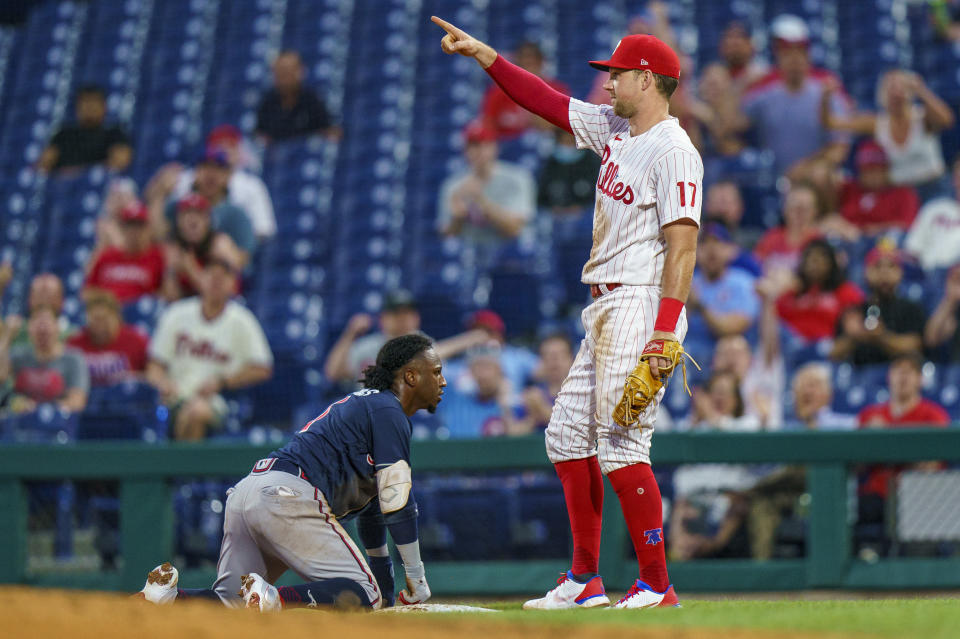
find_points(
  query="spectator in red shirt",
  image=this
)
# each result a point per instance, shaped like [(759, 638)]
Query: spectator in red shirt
[(503, 115), (907, 408), (871, 202), (780, 247), (136, 267), (820, 293), (114, 351)]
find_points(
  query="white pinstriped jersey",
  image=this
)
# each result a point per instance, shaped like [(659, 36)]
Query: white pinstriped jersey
[(646, 181)]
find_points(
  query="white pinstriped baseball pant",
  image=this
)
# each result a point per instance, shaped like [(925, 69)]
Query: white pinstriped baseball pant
[(618, 324)]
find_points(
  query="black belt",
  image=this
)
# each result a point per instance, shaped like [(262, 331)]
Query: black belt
[(274, 463)]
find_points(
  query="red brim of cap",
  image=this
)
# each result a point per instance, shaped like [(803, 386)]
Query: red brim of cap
[(600, 65)]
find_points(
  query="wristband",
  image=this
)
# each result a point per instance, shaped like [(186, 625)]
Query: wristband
[(668, 315)]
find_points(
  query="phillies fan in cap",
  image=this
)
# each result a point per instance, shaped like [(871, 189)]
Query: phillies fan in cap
[(518, 363), (870, 202), (886, 325), (784, 106), (211, 177), (489, 203), (244, 189), (135, 267), (192, 245), (646, 218)]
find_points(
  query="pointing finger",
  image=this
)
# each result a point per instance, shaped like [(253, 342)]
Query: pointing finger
[(446, 26)]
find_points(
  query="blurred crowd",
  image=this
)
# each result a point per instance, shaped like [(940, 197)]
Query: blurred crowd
[(868, 205)]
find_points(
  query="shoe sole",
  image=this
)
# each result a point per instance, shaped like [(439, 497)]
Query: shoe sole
[(161, 576), (160, 581), (251, 599), (587, 605), (655, 605)]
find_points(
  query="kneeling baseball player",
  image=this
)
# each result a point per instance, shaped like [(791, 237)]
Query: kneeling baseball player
[(355, 456)]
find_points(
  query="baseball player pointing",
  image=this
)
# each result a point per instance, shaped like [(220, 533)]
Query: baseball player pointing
[(353, 458), (641, 264)]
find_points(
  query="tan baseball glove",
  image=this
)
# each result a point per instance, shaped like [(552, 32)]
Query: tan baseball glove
[(642, 387)]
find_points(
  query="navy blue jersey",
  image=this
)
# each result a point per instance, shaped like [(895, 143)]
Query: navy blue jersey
[(342, 448)]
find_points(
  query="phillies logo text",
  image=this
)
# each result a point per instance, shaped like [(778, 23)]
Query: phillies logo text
[(605, 182)]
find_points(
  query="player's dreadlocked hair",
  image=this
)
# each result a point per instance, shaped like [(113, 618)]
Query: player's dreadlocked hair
[(394, 355)]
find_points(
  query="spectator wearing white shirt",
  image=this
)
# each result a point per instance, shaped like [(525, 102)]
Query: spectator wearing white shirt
[(907, 126), (204, 345), (934, 236), (244, 189)]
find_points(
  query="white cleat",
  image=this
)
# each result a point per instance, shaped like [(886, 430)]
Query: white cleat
[(571, 594), (161, 586), (258, 593), (641, 595)]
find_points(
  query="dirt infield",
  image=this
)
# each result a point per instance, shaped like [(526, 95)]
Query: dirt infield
[(33, 613)]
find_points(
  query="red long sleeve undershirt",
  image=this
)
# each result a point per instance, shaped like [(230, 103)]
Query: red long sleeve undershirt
[(532, 93)]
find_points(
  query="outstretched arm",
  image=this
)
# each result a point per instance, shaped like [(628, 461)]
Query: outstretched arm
[(523, 87)]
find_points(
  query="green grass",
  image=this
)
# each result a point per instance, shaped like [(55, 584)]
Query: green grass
[(901, 618)]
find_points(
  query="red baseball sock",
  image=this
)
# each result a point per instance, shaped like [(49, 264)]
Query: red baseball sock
[(642, 508), (583, 490)]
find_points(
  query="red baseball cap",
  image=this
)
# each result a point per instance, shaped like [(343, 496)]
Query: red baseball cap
[(871, 154), (477, 132), (487, 319), (642, 52), (884, 250), (224, 133), (134, 212), (193, 202)]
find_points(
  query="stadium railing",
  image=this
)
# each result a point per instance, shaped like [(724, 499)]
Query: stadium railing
[(146, 474)]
